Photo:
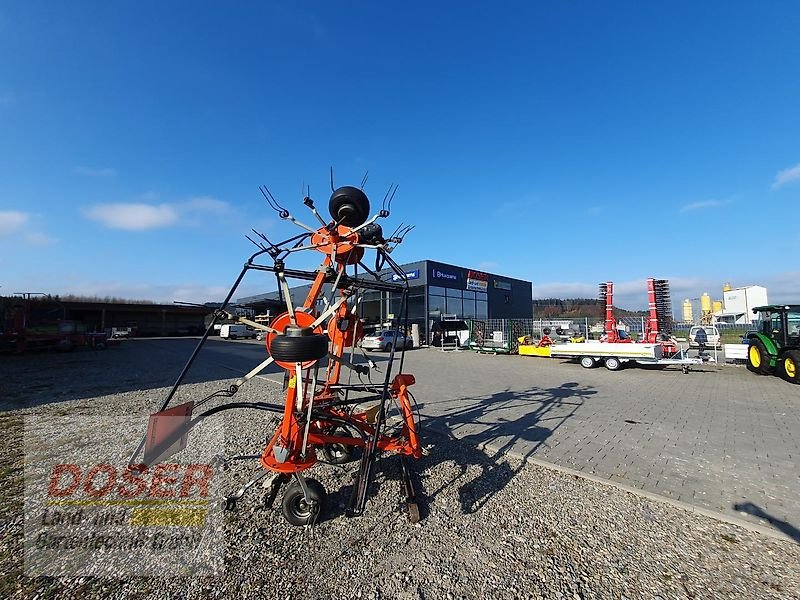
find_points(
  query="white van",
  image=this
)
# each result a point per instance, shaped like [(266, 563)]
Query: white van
[(712, 333), (231, 332)]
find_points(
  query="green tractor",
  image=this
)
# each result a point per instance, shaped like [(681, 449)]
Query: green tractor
[(775, 347)]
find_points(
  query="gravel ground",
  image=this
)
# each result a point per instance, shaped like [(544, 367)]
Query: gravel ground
[(492, 526)]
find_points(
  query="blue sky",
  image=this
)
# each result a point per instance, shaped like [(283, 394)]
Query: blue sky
[(562, 142)]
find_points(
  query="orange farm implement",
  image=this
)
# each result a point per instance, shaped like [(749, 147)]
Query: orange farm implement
[(315, 343)]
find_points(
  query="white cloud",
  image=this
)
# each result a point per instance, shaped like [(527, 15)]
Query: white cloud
[(185, 292), (16, 224), (787, 176), (140, 216), (37, 238), (703, 205), (94, 172), (487, 265), (133, 216), (204, 204), (12, 221)]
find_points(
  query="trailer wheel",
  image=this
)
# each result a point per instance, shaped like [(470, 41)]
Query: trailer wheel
[(613, 363), (296, 510), (587, 362)]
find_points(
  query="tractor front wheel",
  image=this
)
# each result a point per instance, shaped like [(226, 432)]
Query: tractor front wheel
[(789, 366), (758, 358)]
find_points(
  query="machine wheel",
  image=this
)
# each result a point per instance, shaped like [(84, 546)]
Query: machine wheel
[(587, 362), (758, 358), (338, 454), (349, 205), (613, 364), (294, 507), (789, 366), (292, 349)]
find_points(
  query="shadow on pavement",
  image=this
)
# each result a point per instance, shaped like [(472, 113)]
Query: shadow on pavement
[(779, 524), (482, 423)]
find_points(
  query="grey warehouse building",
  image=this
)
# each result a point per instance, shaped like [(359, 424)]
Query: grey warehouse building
[(435, 289)]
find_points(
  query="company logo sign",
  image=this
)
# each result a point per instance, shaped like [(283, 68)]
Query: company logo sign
[(409, 275), (477, 281), (438, 274)]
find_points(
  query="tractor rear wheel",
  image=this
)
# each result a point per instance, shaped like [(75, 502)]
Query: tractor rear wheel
[(789, 366), (758, 358)]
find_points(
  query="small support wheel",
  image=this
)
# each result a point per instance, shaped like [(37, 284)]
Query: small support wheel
[(229, 503), (685, 369), (338, 454), (296, 509), (613, 363)]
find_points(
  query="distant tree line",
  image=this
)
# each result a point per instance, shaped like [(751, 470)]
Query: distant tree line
[(592, 308), (78, 298)]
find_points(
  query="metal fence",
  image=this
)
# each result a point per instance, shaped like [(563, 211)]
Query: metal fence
[(502, 335)]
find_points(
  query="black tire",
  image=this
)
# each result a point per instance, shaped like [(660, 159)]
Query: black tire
[(349, 206), (291, 349), (338, 454), (587, 362), (613, 363), (789, 366), (294, 507), (409, 344), (758, 358), (388, 347)]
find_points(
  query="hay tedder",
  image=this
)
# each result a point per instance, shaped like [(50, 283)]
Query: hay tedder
[(325, 411)]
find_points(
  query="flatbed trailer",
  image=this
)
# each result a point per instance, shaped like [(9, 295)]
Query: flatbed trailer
[(615, 355)]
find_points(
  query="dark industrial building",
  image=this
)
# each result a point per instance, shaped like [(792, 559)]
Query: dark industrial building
[(139, 318), (435, 289)]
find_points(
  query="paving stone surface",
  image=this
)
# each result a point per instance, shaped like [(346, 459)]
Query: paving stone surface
[(717, 438)]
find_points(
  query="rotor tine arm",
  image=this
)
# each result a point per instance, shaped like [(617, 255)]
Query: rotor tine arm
[(365, 223), (289, 217), (308, 416), (287, 296), (327, 312), (259, 326), (310, 204), (264, 364)]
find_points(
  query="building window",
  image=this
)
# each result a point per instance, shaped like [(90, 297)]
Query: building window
[(451, 293), (434, 290), (454, 306), (482, 311), (435, 305)]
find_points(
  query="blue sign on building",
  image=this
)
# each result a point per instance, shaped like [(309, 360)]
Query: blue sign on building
[(409, 275)]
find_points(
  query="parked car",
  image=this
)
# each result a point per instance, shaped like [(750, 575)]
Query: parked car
[(234, 331), (712, 333), (385, 340)]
